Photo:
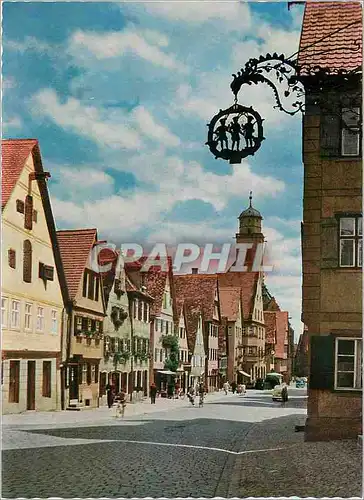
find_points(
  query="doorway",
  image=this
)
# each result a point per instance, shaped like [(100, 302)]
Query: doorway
[(31, 386), (73, 381)]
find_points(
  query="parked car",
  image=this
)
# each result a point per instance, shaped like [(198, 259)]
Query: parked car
[(280, 393), (259, 384), (300, 383)]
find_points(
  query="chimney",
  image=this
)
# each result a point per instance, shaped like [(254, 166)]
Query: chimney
[(194, 270)]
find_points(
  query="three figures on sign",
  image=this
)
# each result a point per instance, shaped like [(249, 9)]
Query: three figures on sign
[(235, 130)]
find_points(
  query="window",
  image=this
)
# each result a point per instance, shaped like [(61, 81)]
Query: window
[(14, 373), (91, 286), (12, 258), (97, 287), (47, 379), (20, 206), (350, 241), (15, 314), (84, 286), (28, 317), (350, 132), (135, 308), (40, 319), (161, 355), (54, 322), (84, 374), (348, 363), (93, 373), (4, 311)]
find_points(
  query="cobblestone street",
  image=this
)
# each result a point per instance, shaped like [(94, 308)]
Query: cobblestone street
[(233, 446)]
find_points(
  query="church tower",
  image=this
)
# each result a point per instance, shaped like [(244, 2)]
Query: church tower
[(250, 230)]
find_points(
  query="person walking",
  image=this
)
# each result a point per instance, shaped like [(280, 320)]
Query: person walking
[(233, 386), (201, 392), (109, 395), (191, 395), (226, 387), (153, 393), (120, 399)]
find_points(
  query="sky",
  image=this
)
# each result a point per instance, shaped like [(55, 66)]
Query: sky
[(119, 96)]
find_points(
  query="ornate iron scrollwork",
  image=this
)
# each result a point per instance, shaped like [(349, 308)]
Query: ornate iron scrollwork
[(284, 72), (229, 126)]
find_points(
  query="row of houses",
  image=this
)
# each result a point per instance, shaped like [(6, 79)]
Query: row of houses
[(71, 327)]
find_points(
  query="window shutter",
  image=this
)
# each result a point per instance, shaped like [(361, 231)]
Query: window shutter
[(88, 373), (322, 362), (27, 261), (20, 206), (330, 135), (329, 243), (28, 212), (12, 258)]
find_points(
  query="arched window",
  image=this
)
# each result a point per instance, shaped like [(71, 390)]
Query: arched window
[(27, 261)]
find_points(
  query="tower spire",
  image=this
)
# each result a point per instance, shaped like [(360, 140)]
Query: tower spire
[(250, 198)]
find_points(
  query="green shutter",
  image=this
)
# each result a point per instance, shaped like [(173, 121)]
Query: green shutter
[(322, 362), (330, 135)]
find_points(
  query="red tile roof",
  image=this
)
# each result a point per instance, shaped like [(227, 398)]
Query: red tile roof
[(192, 313), (344, 21), (75, 246), (155, 280), (230, 299), (248, 284), (14, 155), (270, 327), (200, 288), (282, 330)]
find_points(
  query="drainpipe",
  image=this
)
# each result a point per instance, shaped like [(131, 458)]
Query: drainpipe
[(131, 350)]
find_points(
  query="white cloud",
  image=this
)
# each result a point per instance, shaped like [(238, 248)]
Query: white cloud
[(32, 44), (153, 130), (83, 44), (13, 122), (234, 14), (115, 129)]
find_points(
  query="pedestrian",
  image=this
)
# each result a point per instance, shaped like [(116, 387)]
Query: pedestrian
[(226, 387), (170, 390), (120, 399), (177, 390), (243, 389), (191, 395), (153, 393), (233, 387), (109, 395), (201, 392)]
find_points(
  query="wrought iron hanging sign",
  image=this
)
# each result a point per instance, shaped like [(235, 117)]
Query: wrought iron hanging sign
[(237, 132)]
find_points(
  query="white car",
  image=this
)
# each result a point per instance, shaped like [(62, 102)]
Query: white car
[(280, 393)]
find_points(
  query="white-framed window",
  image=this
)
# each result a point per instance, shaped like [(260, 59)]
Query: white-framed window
[(350, 244), (84, 373), (4, 311), (40, 319), (28, 321), (54, 321), (348, 363), (350, 132), (15, 314)]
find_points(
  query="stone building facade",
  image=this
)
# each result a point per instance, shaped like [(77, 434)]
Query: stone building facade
[(332, 219)]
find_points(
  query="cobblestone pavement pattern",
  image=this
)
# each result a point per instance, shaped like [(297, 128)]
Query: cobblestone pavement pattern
[(233, 446)]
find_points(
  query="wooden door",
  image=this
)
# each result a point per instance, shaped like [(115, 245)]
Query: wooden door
[(145, 383), (31, 386)]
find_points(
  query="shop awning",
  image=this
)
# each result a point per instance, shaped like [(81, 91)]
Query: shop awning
[(166, 372), (244, 373)]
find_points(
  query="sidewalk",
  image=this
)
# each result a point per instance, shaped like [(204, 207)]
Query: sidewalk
[(97, 416)]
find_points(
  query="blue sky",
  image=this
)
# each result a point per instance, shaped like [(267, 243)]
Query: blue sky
[(119, 95)]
